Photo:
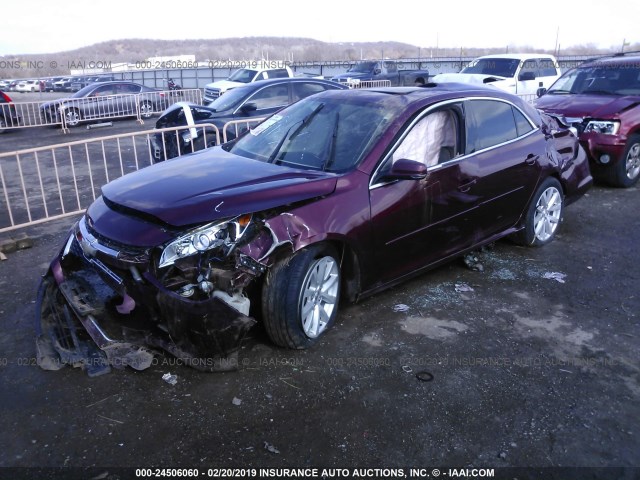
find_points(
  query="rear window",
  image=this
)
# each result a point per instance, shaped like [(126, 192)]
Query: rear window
[(279, 73)]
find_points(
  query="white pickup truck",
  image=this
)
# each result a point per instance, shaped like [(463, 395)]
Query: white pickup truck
[(242, 77), (518, 73)]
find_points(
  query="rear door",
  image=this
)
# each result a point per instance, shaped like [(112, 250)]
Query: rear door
[(501, 164)]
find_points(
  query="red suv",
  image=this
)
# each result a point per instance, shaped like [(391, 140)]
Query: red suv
[(8, 115), (601, 100)]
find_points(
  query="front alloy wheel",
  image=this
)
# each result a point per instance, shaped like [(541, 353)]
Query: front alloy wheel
[(626, 172), (72, 117), (632, 162), (319, 296), (146, 110), (300, 296)]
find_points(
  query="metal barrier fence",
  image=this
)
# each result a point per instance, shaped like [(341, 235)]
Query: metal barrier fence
[(369, 83), (529, 97), (48, 183), (69, 112), (239, 127)]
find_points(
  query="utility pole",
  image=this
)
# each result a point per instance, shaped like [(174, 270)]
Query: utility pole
[(624, 44)]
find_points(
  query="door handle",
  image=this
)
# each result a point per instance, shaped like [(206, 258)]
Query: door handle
[(531, 159), (465, 187)]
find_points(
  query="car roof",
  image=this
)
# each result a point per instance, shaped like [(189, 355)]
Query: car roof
[(517, 56), (436, 92), (262, 83), (618, 59)]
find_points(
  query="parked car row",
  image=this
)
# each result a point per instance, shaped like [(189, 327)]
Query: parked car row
[(52, 84)]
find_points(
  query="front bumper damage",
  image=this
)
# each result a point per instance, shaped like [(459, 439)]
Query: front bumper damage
[(88, 316)]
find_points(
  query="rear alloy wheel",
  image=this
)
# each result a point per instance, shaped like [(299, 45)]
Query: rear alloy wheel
[(146, 109), (626, 172), (72, 117), (300, 297), (543, 215)]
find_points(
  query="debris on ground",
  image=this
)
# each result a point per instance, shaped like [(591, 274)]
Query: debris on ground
[(236, 401), (401, 307), (472, 262), (407, 369), (424, 376), (270, 448), (557, 276), (170, 379), (463, 287)]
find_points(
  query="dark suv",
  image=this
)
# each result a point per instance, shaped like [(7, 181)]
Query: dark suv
[(601, 100), (255, 100)]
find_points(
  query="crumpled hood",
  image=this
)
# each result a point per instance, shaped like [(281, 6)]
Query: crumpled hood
[(467, 78), (211, 185), (586, 105)]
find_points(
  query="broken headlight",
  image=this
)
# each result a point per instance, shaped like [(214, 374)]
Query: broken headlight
[(207, 237), (602, 126)]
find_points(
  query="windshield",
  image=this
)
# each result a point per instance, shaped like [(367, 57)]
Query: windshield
[(230, 99), (500, 67), (319, 133), (243, 75), (610, 79), (362, 67)]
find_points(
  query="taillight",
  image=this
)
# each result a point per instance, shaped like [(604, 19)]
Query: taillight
[(5, 97)]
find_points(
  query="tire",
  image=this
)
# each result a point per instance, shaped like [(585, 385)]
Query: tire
[(300, 297), (626, 172), (72, 117), (146, 109), (543, 216)]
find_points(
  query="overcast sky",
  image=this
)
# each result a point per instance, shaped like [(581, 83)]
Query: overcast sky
[(37, 26)]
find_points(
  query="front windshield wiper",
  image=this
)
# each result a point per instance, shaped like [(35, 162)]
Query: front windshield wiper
[(332, 144), (290, 136), (558, 92)]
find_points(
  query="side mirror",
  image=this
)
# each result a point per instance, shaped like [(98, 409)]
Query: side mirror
[(541, 91), (377, 71), (524, 76), (404, 169), (249, 107)]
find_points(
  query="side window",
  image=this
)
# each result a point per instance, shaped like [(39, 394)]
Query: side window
[(488, 123), (432, 140), (304, 89), (522, 124), (104, 90), (391, 67), (271, 97), (530, 66), (546, 67), (125, 88)]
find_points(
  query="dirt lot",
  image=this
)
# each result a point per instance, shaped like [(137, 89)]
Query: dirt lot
[(525, 371)]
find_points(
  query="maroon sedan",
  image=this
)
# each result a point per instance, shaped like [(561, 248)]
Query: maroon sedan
[(338, 196)]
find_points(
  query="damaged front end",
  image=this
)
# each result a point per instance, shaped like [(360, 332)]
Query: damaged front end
[(103, 304)]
